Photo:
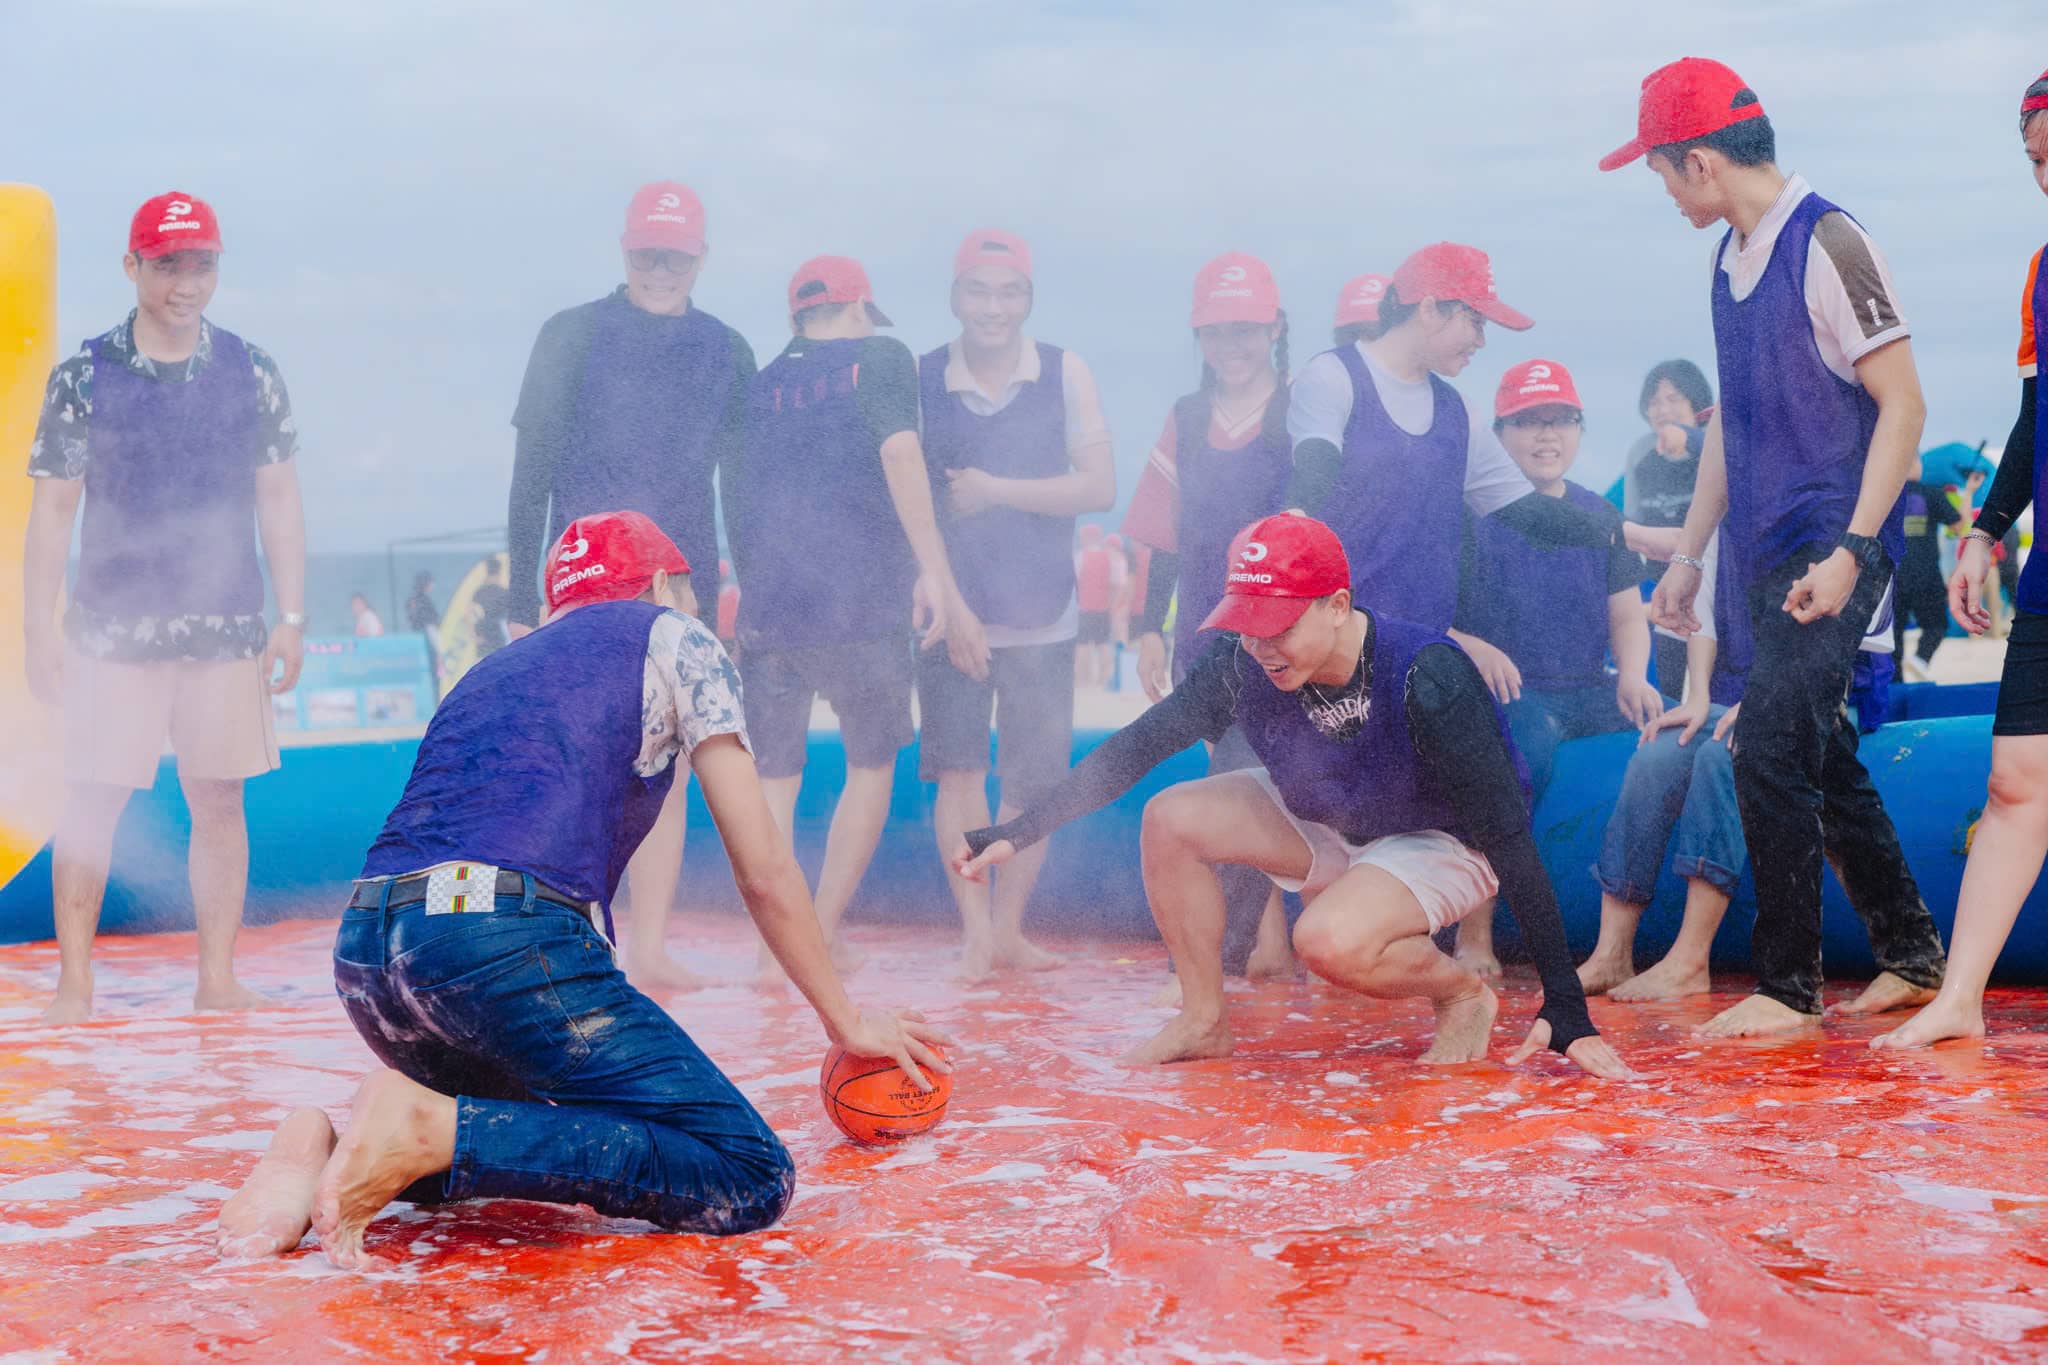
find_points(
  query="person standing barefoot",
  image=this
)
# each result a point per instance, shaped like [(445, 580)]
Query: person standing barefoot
[(2012, 837)]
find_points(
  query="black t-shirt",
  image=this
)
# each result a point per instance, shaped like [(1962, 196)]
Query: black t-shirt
[(886, 387)]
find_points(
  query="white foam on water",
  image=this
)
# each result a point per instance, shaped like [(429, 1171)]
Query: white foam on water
[(249, 1140), (1675, 1304), (1957, 1198), (52, 1185), (1327, 1164), (1015, 1116), (1340, 1078), (1005, 1172)]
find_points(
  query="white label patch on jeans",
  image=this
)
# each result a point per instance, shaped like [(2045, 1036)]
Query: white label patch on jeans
[(462, 889)]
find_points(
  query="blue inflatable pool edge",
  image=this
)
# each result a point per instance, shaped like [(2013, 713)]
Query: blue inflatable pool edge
[(310, 823)]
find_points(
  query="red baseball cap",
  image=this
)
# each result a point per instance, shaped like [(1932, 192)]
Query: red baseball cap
[(1535, 384), (667, 214), (1235, 288), (992, 246), (173, 221), (609, 557), (2036, 96), (1278, 565), (1359, 301), (833, 279), (1449, 272), (1689, 98)]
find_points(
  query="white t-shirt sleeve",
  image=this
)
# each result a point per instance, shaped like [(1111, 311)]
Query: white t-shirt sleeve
[(690, 691), (1319, 402), (1492, 478), (1849, 295)]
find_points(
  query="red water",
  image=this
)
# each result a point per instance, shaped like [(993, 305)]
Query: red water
[(1316, 1197)]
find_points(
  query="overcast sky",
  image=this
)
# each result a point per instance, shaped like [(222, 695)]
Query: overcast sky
[(409, 189)]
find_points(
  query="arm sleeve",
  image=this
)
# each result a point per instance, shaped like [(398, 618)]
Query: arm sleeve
[(2012, 488), (526, 520), (887, 388), (1201, 708), (1456, 730), (1161, 579), (1154, 515), (277, 431), (1318, 410), (1492, 478), (60, 447), (1625, 568), (1554, 524)]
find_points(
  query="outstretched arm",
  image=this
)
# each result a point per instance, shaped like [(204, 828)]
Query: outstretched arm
[(1201, 708), (1457, 735)]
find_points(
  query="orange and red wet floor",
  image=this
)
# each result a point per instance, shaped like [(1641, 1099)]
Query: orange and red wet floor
[(1318, 1196)]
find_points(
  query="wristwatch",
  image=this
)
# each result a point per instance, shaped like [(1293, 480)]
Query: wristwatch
[(295, 619), (1868, 551)]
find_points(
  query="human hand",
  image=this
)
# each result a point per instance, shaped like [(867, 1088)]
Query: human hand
[(1671, 440), (1724, 728), (287, 646), (973, 490), (1686, 718), (1152, 672), (1671, 604), (45, 662), (1966, 586), (902, 1036), (1639, 701), (974, 866), (1591, 1054), (1503, 679), (1825, 589), (966, 639)]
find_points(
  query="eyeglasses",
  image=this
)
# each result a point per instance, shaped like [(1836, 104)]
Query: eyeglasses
[(653, 257), (1530, 422)]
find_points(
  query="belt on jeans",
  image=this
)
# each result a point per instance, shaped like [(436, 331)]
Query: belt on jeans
[(413, 890)]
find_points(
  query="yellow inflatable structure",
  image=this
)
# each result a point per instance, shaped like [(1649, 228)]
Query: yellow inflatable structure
[(31, 783)]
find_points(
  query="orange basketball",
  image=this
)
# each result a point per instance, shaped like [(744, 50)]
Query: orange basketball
[(871, 1101)]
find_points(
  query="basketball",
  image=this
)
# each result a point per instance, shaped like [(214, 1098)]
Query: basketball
[(871, 1101)]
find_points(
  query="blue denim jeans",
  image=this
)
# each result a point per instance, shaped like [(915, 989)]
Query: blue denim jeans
[(1690, 788), (570, 1086), (1542, 719)]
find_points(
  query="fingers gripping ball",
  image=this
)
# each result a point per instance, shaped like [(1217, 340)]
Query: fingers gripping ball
[(871, 1101)]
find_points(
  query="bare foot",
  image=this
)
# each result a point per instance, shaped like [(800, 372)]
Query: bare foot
[(1942, 1018), (660, 974), (1885, 992), (1167, 997), (274, 1207), (1601, 973), (1668, 980), (1756, 1017), (1021, 954), (845, 956), (398, 1131), (69, 1006), (232, 996), (1274, 964), (1184, 1039), (1464, 1027), (1475, 951), (977, 960)]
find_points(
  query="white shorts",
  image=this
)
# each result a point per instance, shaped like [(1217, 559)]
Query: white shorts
[(1447, 878), (118, 715)]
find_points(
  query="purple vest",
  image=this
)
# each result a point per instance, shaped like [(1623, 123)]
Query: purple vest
[(528, 761), (1400, 502), (170, 488), (1014, 568), (1796, 435), (1546, 608), (1366, 787), (642, 436), (822, 557), (2033, 589), (1221, 493)]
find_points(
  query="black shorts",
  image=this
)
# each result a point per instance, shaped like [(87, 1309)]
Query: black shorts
[(1030, 697), (2023, 686), (1094, 628), (866, 683)]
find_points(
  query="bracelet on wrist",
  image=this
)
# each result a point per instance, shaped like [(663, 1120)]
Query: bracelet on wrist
[(1690, 562), (1990, 541)]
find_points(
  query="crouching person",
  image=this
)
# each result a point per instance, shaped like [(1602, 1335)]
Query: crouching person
[(474, 957)]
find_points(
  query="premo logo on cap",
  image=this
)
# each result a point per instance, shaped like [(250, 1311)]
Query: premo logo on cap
[(1253, 551), (575, 551)]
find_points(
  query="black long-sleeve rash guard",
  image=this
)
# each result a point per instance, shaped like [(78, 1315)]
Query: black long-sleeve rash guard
[(1452, 722), (2013, 486), (1547, 523)]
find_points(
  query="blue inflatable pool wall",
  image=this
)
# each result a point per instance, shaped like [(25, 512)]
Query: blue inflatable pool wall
[(309, 825)]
